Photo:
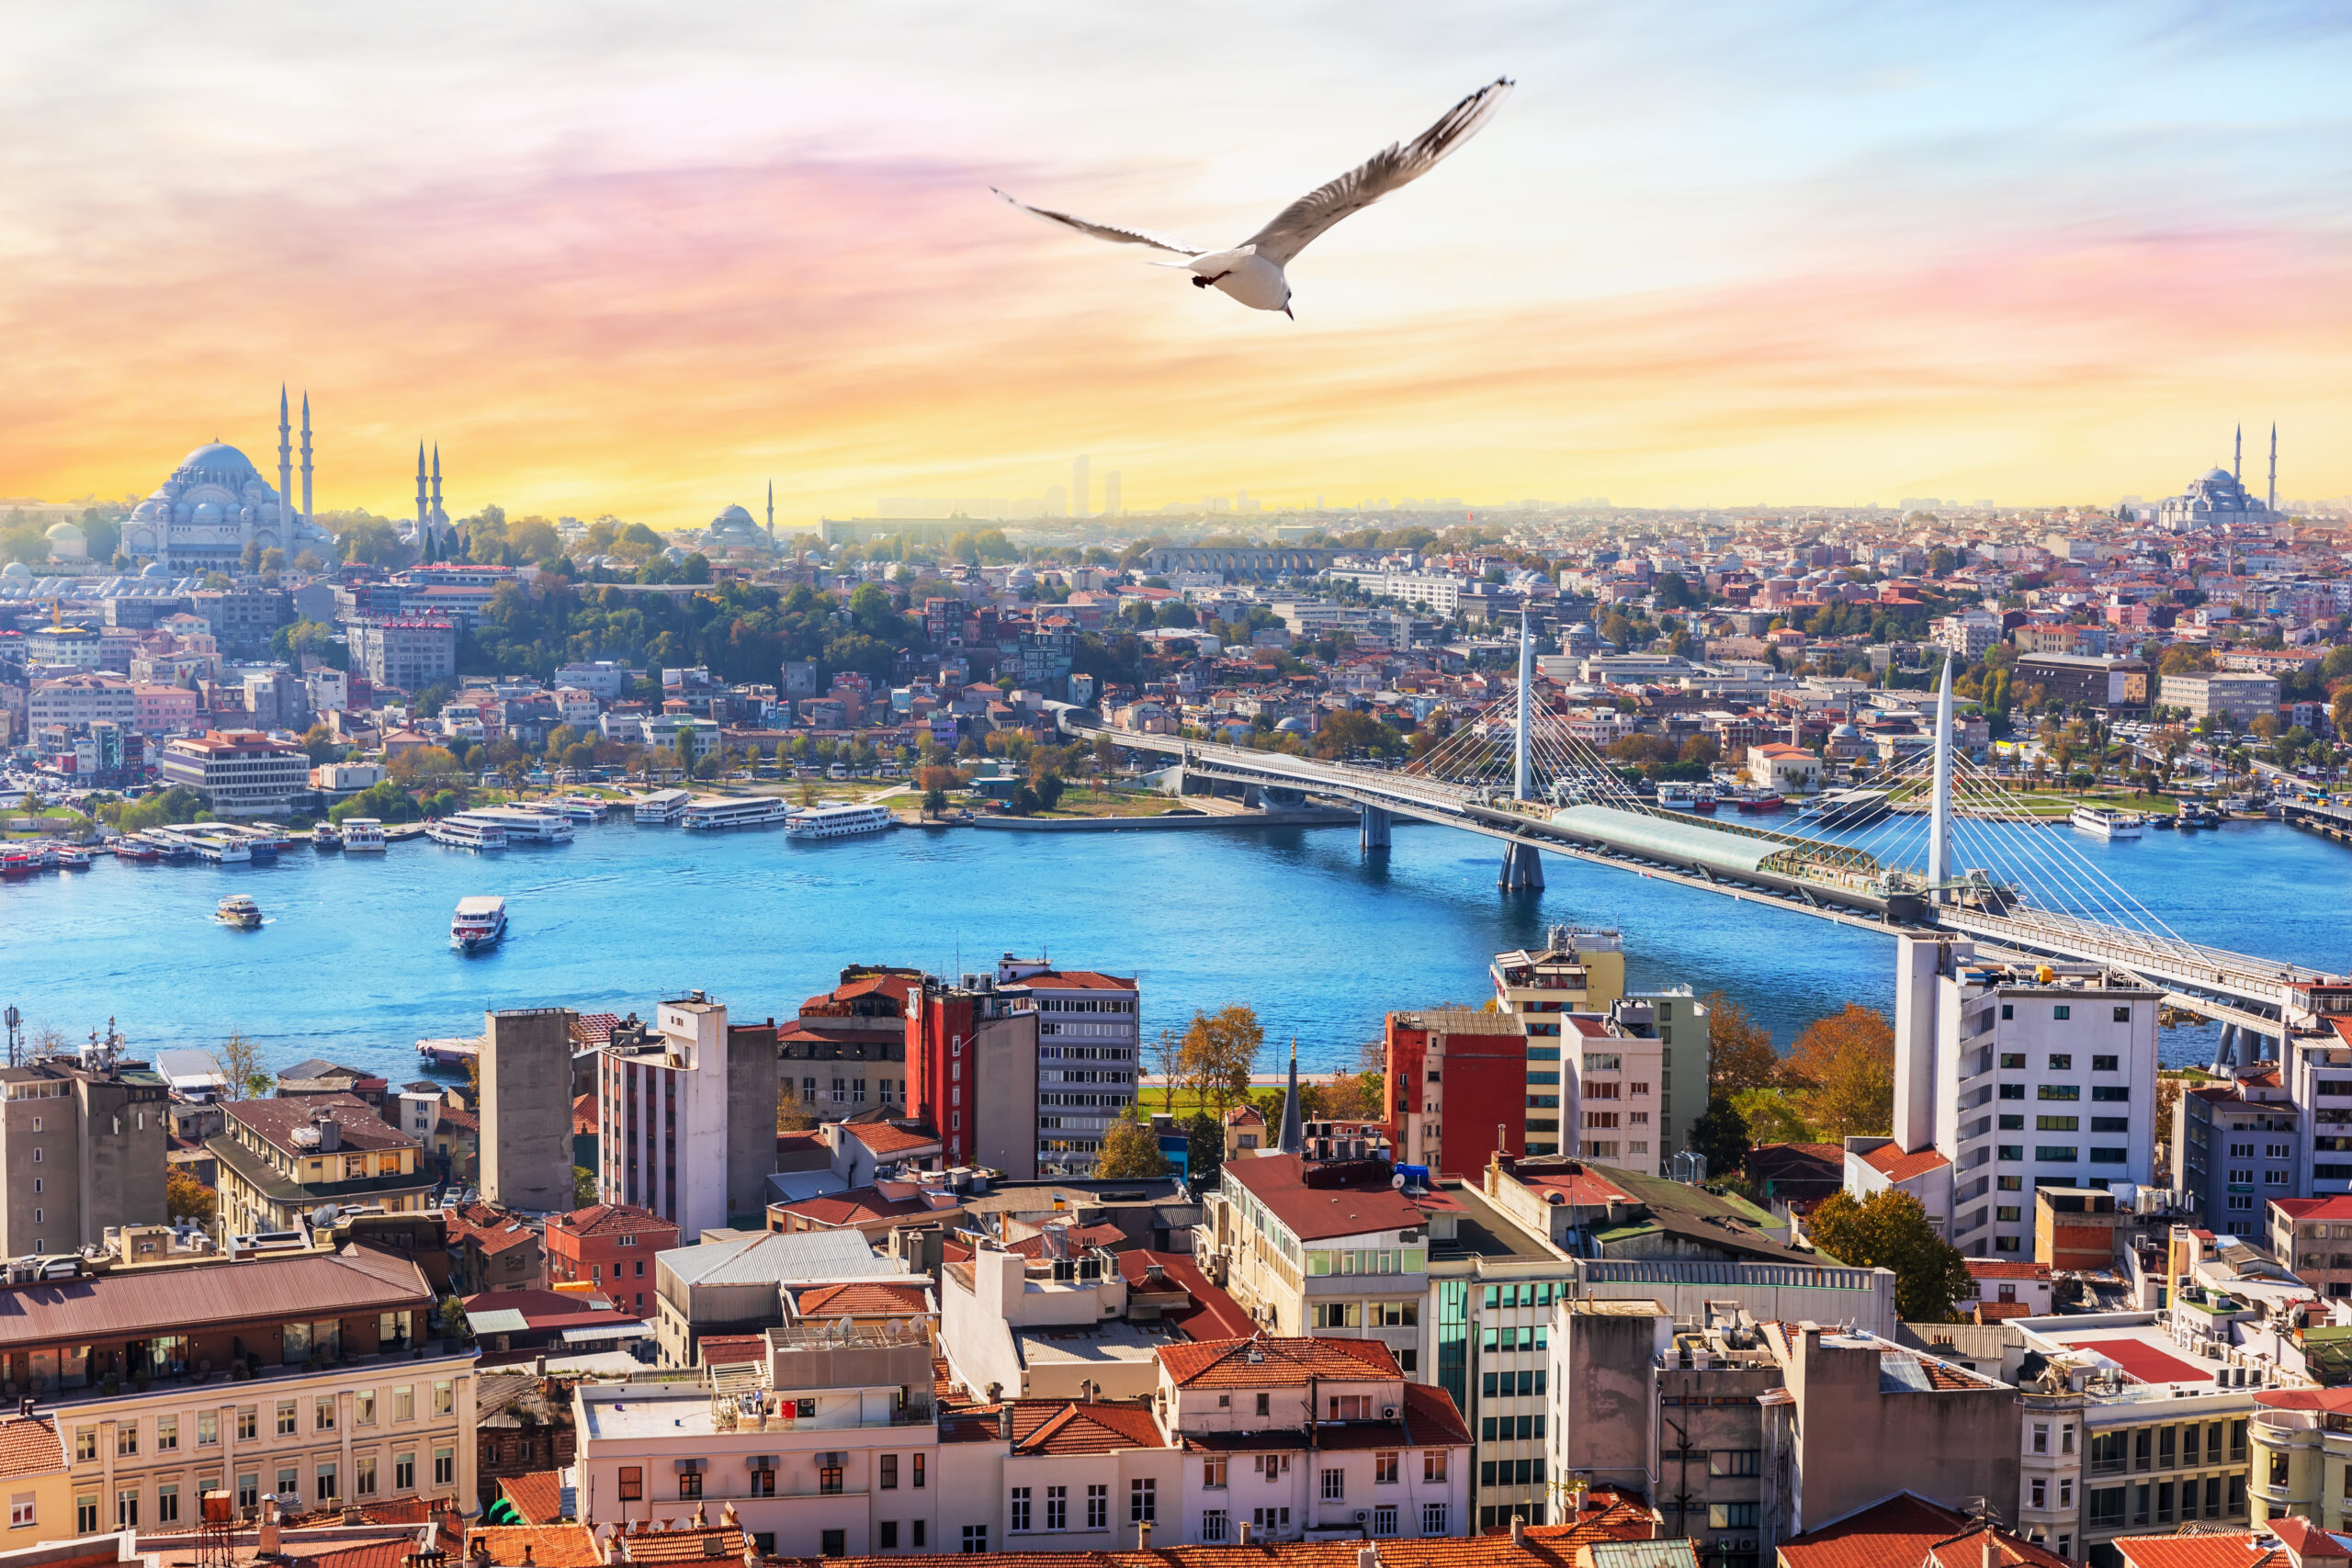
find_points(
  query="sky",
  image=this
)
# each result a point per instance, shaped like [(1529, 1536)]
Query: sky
[(643, 259)]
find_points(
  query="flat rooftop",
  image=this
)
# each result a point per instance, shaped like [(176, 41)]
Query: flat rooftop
[(1092, 1345), (1480, 1231)]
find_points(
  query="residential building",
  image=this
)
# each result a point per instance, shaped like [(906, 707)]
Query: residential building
[(847, 1049), (1907, 1528), (1783, 768), (407, 655), (610, 1247), (1299, 1240), (2293, 1471), (2072, 1047), (2234, 698), (2236, 1145), (972, 1062), (1087, 1046), (281, 1160), (1576, 972), (1052, 1326), (1968, 634), (1470, 1059), (2123, 1432), (239, 773), (524, 1067), (2312, 1237), (32, 1472), (74, 701), (341, 1395), (687, 1110), (1590, 1210), (494, 1249), (163, 710), (242, 619), (83, 1141), (522, 1427), (740, 1286), (2107, 684)]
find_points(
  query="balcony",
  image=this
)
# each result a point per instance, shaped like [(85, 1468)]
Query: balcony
[(427, 1355)]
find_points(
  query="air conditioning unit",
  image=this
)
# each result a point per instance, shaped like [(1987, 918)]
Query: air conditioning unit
[(1388, 1413), (1362, 1514)]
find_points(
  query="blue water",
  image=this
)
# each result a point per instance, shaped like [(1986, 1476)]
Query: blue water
[(354, 964)]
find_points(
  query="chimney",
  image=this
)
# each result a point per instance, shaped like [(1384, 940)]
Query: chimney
[(1243, 1531), (1517, 1531), (1143, 1536), (266, 1539), (612, 1549), (1004, 1422), (1988, 1558), (527, 1556), (1367, 1556)]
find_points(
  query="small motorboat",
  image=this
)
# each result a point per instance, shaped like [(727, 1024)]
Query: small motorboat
[(323, 837), (240, 911)]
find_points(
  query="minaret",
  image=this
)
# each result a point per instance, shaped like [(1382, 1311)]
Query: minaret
[(284, 471), (420, 493), (2273, 502), (771, 512), (1292, 1140), (2237, 455), (306, 455), (439, 515)]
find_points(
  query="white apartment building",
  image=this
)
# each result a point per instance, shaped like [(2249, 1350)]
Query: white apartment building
[(240, 772), (1575, 971), (1968, 634), (74, 701), (683, 1108), (1087, 1045), (2021, 1076)]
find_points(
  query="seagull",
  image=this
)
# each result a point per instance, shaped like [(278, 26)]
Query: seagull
[(1252, 271)]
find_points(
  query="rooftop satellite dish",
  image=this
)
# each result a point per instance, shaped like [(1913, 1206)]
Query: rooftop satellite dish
[(324, 1215), (846, 1327)]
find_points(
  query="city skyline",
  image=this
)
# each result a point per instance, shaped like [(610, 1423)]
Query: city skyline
[(1809, 260)]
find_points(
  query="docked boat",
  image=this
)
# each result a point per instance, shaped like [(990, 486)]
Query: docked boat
[(363, 835), (662, 807), (240, 911), (325, 837), (220, 849), (18, 862), (1848, 809), (2101, 823), (715, 813), (131, 847), (73, 857), (585, 808), (466, 831), (1702, 800), (1677, 798), (478, 924), (448, 1052), (526, 825), (839, 822), (1759, 802), (2162, 820)]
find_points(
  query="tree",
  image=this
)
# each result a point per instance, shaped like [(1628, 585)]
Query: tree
[(584, 1188), (1721, 1134), (1167, 1055), (186, 1198), (1219, 1050), (791, 1116), (934, 802), (240, 1061), (1739, 1050), (1204, 1150), (1773, 1116), (1129, 1150), (1842, 1067), (1890, 1229)]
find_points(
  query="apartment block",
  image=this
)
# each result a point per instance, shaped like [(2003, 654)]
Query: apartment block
[(2236, 1147), (2020, 1077), (239, 773), (611, 1249), (83, 1140), (847, 1048), (972, 1061), (404, 654), (281, 1160), (526, 1074), (687, 1112), (1087, 1046), (1303, 1242), (1474, 1062)]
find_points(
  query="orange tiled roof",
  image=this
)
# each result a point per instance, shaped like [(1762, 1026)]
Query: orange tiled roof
[(871, 1299), (732, 1349), (1908, 1529), (892, 1137), (687, 1542), (550, 1546), (1250, 1363), (2225, 1548), (29, 1446), (1078, 1427), (537, 1497), (1896, 1166)]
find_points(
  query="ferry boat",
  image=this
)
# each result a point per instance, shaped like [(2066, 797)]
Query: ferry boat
[(73, 857), (466, 831), (664, 806), (1702, 800), (478, 924), (585, 808), (18, 862), (448, 1052), (131, 847), (363, 835), (839, 822), (323, 837), (2101, 823), (240, 911), (1757, 801), (524, 826), (1677, 798), (220, 849), (713, 813)]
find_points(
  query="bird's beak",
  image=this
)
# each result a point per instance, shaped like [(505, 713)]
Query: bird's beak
[(1286, 313)]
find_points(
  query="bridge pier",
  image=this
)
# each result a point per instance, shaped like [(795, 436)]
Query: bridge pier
[(1372, 828), (2225, 1050), (1522, 869)]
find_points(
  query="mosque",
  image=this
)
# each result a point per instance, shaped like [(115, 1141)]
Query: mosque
[(737, 529), (2216, 498), (216, 504)]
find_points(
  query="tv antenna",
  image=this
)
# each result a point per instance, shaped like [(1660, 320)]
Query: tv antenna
[(16, 1023)]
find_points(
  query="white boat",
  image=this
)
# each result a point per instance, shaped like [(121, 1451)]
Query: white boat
[(1677, 798), (839, 822), (664, 806), (713, 813), (478, 924), (525, 827), (466, 831), (2101, 823), (239, 911), (585, 808), (221, 851), (363, 835)]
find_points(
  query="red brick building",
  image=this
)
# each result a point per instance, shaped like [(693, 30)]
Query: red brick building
[(1457, 1068), (611, 1246)]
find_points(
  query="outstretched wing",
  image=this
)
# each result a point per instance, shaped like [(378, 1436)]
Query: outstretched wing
[(1302, 219), (1109, 231)]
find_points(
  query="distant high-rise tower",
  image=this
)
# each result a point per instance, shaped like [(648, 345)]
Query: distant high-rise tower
[(1111, 494), (306, 456), (1081, 487)]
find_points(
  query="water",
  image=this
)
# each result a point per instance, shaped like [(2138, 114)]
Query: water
[(354, 964)]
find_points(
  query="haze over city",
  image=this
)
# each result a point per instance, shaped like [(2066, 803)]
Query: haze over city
[(639, 260)]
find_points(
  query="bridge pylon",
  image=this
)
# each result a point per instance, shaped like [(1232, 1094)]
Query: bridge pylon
[(1372, 828), (1522, 869)]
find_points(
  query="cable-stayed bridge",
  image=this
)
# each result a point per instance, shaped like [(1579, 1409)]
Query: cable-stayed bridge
[(1929, 843)]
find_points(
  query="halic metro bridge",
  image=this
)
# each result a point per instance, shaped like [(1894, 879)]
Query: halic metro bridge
[(1930, 843)]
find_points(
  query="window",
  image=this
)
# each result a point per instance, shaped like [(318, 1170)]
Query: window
[(690, 1483), (1433, 1469), (1735, 1461), (1213, 1473), (1383, 1468), (288, 1423), (2123, 1015), (126, 1440), (2011, 1058), (1213, 1524), (326, 1481), (2009, 1151), (86, 1513), (445, 1467), (2039, 1493), (1335, 1485), (2062, 1012), (887, 1479), (1098, 1507), (1265, 1403), (2057, 1153), (1434, 1518), (1057, 1507), (632, 1480), (1731, 1515), (2066, 1491), (975, 1539), (919, 1481), (248, 1491), (322, 1414), (2009, 1213), (1276, 1519), (1143, 1501), (2106, 1507), (167, 1434), (445, 1397), (363, 1475), (20, 1511), (890, 1540), (2012, 1123), (403, 1404), (2105, 1064), (763, 1482), (829, 1479), (833, 1543), (2057, 1091), (2057, 1123), (208, 1428), (2112, 1092), (1384, 1519)]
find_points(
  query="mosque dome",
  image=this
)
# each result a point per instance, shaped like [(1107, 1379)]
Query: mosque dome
[(2212, 474), (737, 515), (155, 572), (1291, 725), (16, 570), (64, 532), (219, 458)]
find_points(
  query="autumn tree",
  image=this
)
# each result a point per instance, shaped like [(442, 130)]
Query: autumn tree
[(791, 1116), (1129, 1150), (186, 1198), (1168, 1057), (1842, 1071), (1890, 1229), (1219, 1050), (241, 1065), (1739, 1050)]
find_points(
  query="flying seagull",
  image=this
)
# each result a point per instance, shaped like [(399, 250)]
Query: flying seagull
[(1251, 271)]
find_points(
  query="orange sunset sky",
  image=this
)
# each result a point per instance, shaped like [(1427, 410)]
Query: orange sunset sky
[(642, 259)]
